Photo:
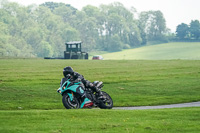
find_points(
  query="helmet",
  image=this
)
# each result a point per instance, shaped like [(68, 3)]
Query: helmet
[(67, 70)]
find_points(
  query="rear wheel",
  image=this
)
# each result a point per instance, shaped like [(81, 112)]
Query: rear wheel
[(70, 104), (106, 102)]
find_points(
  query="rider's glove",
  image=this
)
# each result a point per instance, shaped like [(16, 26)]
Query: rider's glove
[(91, 84)]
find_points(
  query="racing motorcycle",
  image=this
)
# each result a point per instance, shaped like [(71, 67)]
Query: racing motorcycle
[(72, 99)]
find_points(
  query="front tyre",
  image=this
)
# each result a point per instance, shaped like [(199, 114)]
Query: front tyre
[(106, 102), (74, 104)]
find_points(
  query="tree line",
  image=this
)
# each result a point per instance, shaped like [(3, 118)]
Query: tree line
[(40, 31), (188, 32)]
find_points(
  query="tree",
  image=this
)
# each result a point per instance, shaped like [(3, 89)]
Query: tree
[(195, 29), (70, 34), (135, 37), (33, 36), (182, 31), (89, 33), (120, 21), (153, 24), (44, 49), (91, 11), (66, 12), (4, 37), (114, 44), (13, 19), (53, 5)]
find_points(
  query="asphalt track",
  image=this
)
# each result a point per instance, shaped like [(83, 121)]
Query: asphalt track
[(181, 105)]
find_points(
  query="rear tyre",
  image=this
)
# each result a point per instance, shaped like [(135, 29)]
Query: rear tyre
[(106, 102), (74, 104)]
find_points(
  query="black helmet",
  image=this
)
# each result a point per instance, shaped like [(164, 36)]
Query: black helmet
[(67, 70)]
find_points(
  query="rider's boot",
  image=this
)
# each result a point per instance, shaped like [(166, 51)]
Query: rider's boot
[(100, 94)]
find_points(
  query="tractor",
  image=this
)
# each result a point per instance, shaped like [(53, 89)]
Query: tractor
[(73, 51)]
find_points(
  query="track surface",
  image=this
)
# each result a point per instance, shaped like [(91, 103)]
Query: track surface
[(192, 104)]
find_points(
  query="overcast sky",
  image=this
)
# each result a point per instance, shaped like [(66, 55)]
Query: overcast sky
[(174, 11)]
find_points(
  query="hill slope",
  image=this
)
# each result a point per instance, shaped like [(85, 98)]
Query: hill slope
[(176, 50)]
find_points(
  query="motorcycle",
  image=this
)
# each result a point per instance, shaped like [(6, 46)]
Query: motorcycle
[(72, 99)]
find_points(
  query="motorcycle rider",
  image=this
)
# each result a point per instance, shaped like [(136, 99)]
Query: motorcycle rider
[(68, 72)]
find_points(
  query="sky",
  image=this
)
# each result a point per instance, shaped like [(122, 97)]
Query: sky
[(175, 11)]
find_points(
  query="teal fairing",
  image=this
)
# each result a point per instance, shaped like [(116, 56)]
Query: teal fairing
[(73, 88), (69, 86)]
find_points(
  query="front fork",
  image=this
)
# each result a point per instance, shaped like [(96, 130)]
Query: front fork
[(71, 95)]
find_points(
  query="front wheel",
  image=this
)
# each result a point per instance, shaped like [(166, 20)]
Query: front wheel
[(70, 104), (106, 102)]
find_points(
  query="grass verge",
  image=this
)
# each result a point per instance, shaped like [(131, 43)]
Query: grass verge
[(177, 120)]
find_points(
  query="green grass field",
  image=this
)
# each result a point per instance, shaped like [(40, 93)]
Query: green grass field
[(32, 83), (29, 101), (167, 51), (178, 120)]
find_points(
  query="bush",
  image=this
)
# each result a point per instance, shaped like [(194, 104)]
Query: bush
[(126, 46)]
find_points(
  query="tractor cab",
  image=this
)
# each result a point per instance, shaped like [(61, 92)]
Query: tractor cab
[(73, 51), (73, 46)]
